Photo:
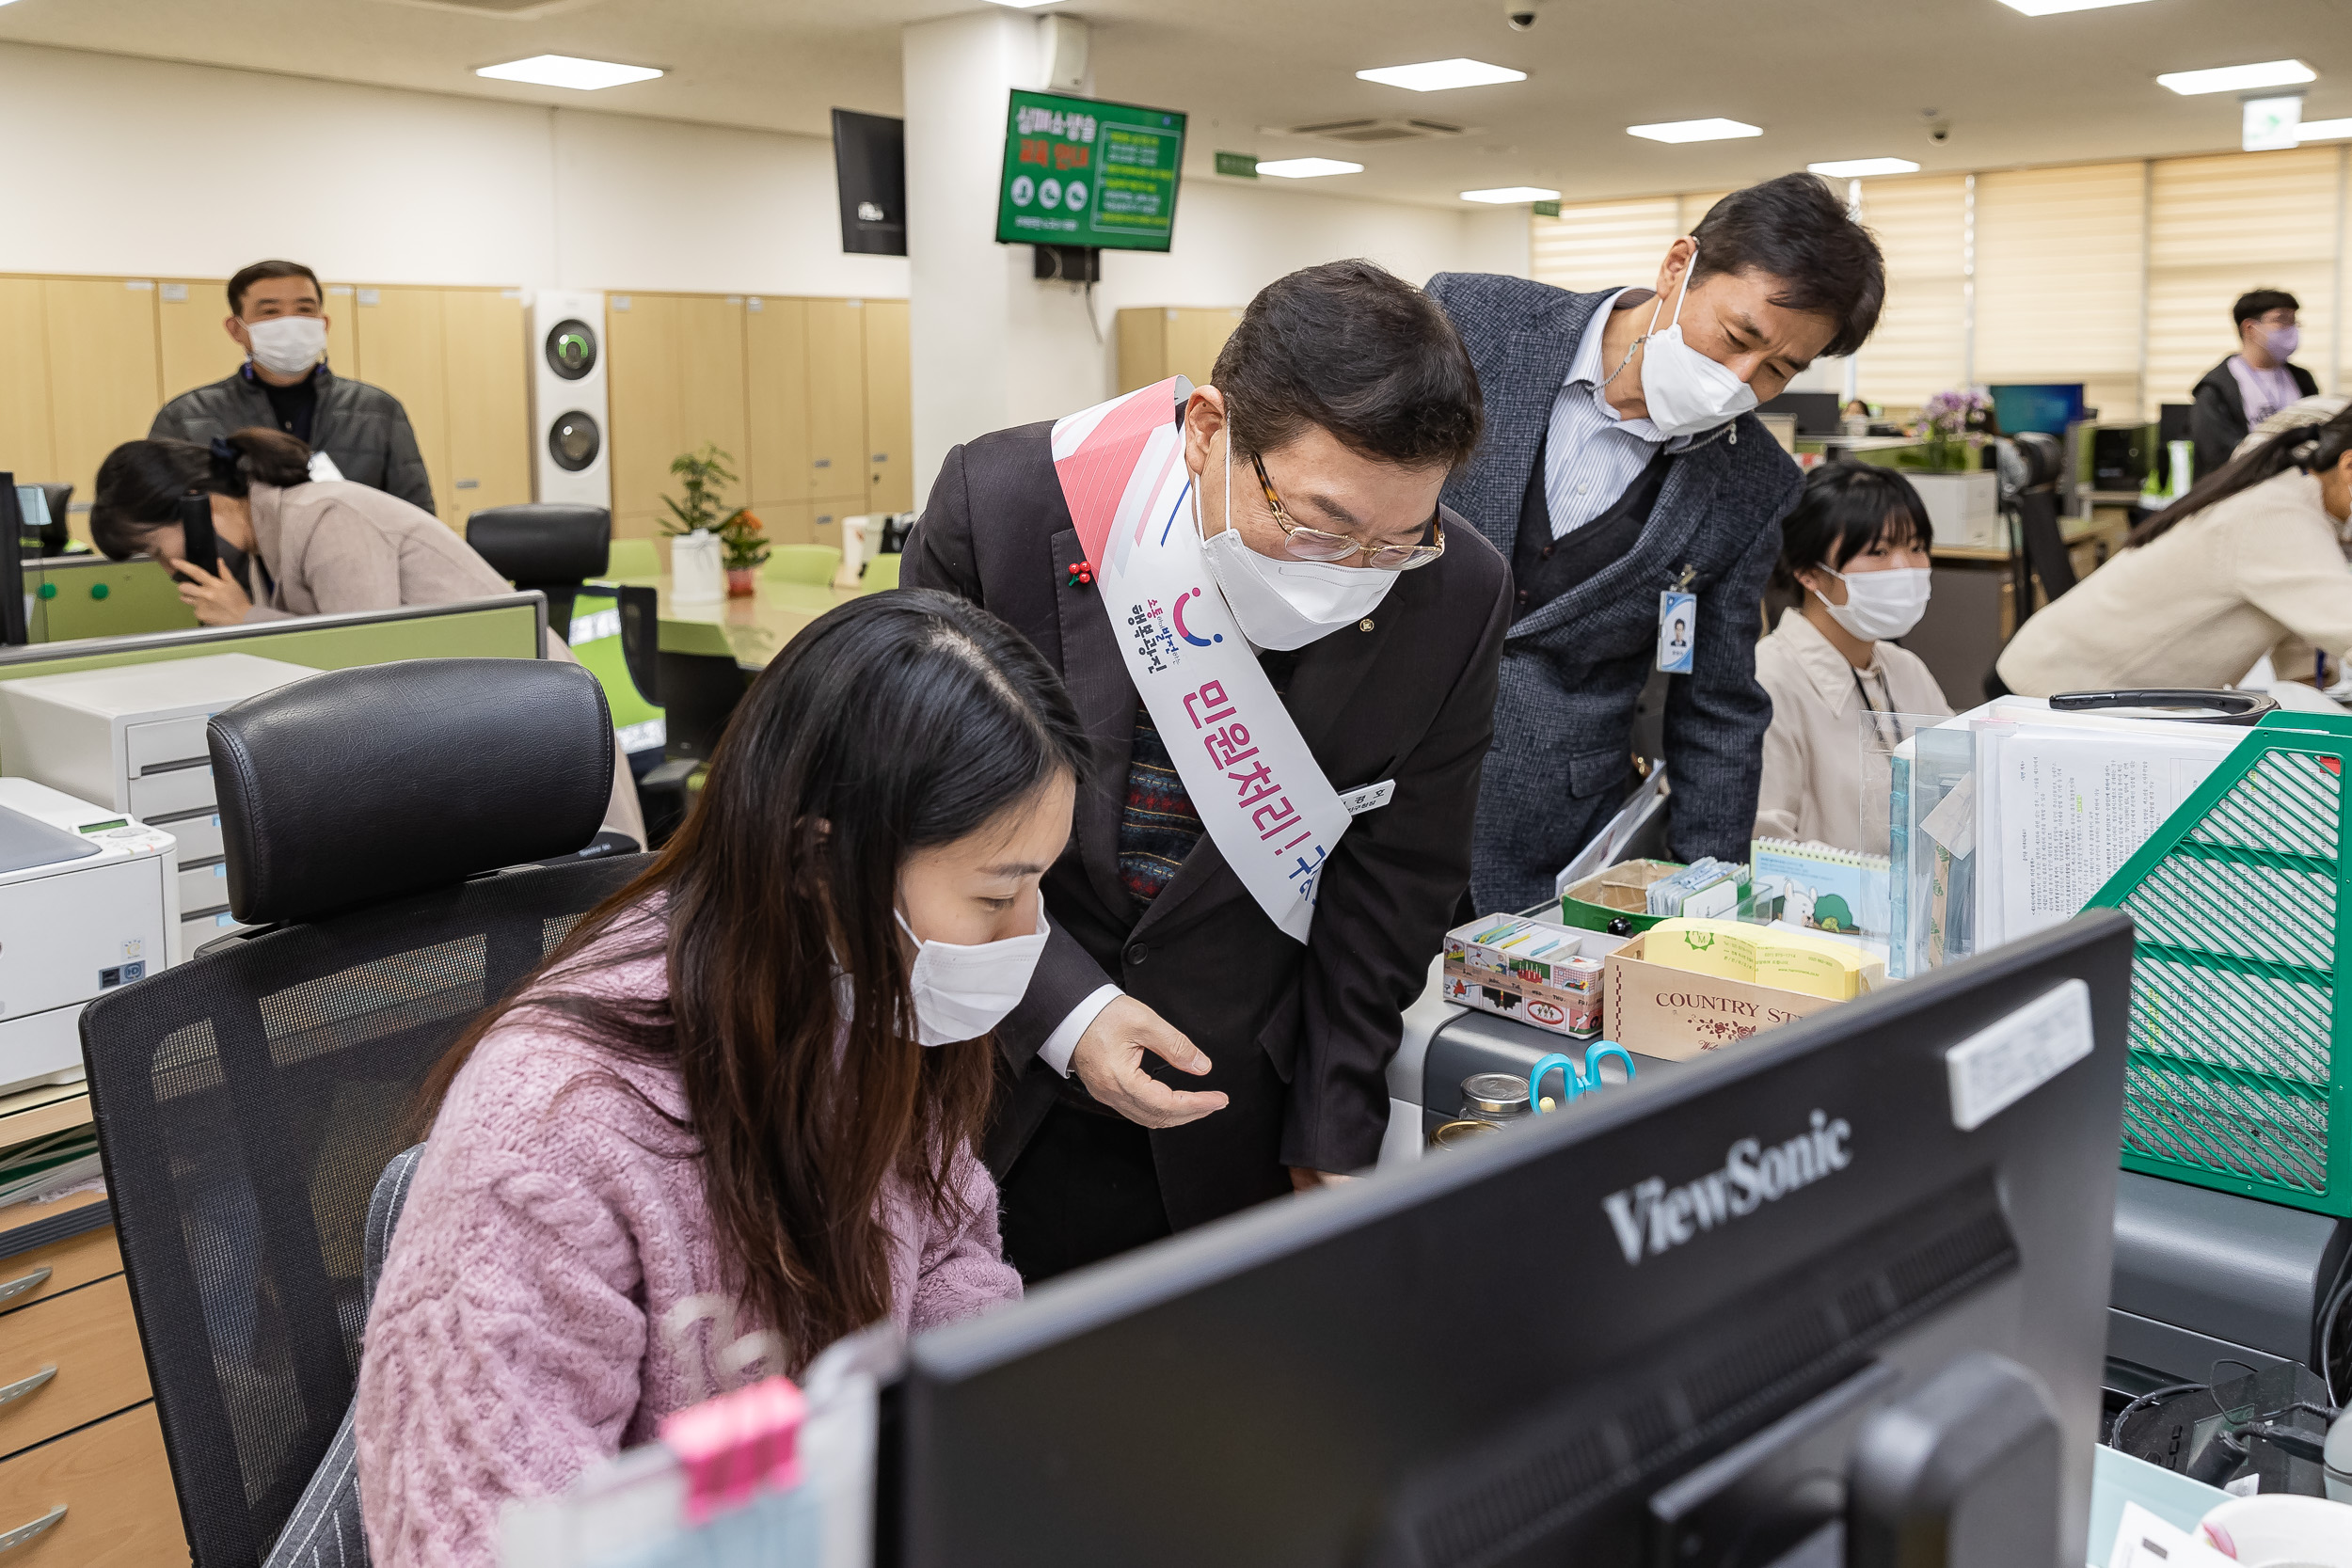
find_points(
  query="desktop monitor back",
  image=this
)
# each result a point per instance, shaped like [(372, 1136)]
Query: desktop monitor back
[(1655, 1329)]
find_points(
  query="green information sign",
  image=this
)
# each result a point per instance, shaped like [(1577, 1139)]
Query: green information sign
[(1080, 172)]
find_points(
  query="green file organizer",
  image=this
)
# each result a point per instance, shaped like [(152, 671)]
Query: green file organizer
[(2240, 1074)]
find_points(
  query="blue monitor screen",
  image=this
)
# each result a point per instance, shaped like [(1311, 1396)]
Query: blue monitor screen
[(2046, 406)]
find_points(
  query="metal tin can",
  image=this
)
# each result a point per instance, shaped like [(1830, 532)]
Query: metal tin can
[(1494, 1097)]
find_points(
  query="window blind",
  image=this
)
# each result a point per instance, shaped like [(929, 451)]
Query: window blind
[(1920, 347), (2217, 227), (2060, 253), (1605, 245)]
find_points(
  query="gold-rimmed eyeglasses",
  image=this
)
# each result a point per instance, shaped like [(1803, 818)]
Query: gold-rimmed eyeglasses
[(1314, 543)]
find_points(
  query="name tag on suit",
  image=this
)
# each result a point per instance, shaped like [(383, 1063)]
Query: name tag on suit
[(1370, 797)]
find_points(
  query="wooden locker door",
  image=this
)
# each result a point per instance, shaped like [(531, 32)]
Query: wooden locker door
[(104, 386), (776, 385), (787, 522), (484, 345), (711, 382), (1194, 337), (191, 338), (641, 351), (1142, 346), (27, 447), (836, 404), (889, 408), (398, 345), (343, 330)]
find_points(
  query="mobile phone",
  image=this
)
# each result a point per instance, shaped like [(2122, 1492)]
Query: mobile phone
[(196, 526)]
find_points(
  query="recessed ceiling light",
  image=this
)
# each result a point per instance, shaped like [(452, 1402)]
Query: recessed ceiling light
[(2051, 8), (2235, 78), (1862, 169), (1504, 195), (1307, 169), (568, 70), (1694, 130), (1438, 75), (2324, 130), (1023, 5)]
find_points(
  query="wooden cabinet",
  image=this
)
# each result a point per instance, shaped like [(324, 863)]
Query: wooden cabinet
[(1158, 342), (26, 445), (486, 354), (889, 408), (103, 377), (676, 383), (398, 340), (192, 336), (108, 1488), (775, 387), (836, 402), (67, 1361)]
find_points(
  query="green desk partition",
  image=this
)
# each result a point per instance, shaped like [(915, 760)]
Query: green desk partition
[(509, 626), (90, 595), (2240, 1075)]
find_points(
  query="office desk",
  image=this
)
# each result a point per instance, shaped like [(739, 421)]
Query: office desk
[(750, 631)]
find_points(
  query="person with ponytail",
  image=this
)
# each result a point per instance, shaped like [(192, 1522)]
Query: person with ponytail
[(731, 1119), (290, 546), (2253, 554)]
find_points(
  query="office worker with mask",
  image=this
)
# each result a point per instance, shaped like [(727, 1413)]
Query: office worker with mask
[(278, 315), (2251, 385), (1623, 476), (1285, 652)]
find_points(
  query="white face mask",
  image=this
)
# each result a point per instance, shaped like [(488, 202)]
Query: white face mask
[(1285, 604), (1686, 391), (960, 993), (287, 345), (1879, 604)]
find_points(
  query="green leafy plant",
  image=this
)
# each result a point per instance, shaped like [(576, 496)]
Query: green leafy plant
[(704, 477), (744, 539)]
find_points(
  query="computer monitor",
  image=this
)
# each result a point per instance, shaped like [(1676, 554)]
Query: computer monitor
[(2046, 406), (14, 621), (1816, 412), (1661, 1327)]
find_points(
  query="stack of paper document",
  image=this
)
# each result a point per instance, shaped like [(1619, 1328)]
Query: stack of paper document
[(1705, 887), (1763, 956), (44, 1166)]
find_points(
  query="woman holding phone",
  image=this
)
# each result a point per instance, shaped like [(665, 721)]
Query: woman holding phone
[(731, 1118), (287, 545)]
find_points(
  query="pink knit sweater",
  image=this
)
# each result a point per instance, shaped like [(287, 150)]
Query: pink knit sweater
[(553, 1290)]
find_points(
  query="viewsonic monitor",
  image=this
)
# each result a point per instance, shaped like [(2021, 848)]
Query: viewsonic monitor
[(1839, 1287)]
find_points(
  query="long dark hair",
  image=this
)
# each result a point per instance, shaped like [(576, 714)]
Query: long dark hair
[(1846, 508), (895, 722), (140, 483), (2309, 446)]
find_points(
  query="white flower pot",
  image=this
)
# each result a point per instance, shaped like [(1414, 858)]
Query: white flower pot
[(697, 568)]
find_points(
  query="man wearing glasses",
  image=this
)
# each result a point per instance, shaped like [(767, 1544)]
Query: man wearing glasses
[(1371, 622)]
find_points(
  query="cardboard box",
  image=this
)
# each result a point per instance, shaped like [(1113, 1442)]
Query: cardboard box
[(1559, 990), (1674, 1014)]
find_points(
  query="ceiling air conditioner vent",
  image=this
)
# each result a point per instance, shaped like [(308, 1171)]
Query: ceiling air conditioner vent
[(1366, 133), (511, 10)]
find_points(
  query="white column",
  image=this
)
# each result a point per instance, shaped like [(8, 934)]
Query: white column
[(991, 346)]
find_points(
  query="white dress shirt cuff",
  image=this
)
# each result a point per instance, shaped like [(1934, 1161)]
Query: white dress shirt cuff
[(1056, 1052)]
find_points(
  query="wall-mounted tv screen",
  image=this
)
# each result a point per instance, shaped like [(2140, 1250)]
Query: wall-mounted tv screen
[(1082, 172)]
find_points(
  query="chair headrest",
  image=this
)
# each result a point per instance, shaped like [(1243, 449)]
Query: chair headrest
[(353, 786), (542, 544)]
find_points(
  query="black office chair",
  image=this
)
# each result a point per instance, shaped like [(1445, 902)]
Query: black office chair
[(57, 536), (248, 1099), (548, 545)]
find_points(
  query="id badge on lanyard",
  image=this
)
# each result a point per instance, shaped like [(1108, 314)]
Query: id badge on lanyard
[(1677, 625)]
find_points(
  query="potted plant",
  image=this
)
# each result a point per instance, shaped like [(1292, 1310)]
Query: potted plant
[(1945, 421), (1962, 495), (743, 539), (694, 521)]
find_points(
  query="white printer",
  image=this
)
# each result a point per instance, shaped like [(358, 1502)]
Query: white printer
[(132, 737), (89, 900)]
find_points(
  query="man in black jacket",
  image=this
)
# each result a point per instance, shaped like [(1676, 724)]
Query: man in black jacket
[(1620, 466), (1341, 404), (2253, 383), (278, 315)]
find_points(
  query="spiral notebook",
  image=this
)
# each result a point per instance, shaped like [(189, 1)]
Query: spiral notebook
[(1824, 888)]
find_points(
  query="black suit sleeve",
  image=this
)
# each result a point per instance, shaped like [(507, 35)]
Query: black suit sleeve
[(2216, 423), (1381, 914), (1717, 715), (939, 555)]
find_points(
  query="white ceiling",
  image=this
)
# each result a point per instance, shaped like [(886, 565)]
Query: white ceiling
[(1825, 78)]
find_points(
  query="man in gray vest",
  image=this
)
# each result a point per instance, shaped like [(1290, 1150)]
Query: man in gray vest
[(1623, 477), (278, 315)]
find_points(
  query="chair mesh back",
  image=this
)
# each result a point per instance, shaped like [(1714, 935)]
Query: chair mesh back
[(245, 1103)]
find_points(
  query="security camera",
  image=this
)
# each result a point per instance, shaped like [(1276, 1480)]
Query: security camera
[(1521, 14), (1940, 133)]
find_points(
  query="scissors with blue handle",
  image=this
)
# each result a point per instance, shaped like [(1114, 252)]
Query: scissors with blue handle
[(1573, 1083)]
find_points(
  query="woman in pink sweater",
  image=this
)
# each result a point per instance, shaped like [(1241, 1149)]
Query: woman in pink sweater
[(708, 1138)]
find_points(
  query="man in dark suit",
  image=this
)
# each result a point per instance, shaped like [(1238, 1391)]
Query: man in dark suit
[(2253, 383), (1620, 464), (1341, 404)]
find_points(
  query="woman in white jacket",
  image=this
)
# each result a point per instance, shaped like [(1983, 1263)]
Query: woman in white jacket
[(2252, 554)]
